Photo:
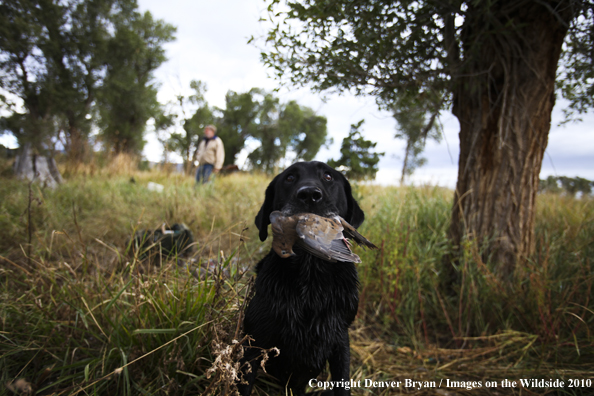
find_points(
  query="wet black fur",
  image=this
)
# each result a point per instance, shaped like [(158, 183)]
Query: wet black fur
[(303, 305)]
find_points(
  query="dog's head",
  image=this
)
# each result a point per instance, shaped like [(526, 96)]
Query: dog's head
[(309, 187)]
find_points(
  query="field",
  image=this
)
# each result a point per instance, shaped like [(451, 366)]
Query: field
[(81, 312)]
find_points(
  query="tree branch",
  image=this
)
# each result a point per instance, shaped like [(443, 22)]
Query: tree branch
[(450, 42)]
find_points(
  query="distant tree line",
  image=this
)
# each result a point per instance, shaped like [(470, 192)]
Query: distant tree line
[(69, 68), (281, 133), (80, 73), (278, 130), (567, 185), (77, 75)]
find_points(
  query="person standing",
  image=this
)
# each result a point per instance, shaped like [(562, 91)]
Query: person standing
[(211, 155)]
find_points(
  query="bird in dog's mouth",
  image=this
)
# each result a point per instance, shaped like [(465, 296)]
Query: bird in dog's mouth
[(323, 237)]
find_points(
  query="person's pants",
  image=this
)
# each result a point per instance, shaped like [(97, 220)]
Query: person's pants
[(203, 173)]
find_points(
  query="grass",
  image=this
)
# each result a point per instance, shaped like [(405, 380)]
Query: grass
[(80, 313)]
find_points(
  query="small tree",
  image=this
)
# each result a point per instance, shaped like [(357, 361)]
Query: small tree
[(417, 119), (356, 156), (186, 144)]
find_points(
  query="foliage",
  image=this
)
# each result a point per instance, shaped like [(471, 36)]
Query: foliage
[(307, 131), (356, 158), (549, 185), (35, 54), (284, 128), (387, 48), (187, 144), (80, 313), (255, 116), (57, 56), (238, 121), (369, 47), (128, 97), (24, 76), (576, 80), (278, 128)]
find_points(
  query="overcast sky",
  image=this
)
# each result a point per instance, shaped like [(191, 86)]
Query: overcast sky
[(212, 46)]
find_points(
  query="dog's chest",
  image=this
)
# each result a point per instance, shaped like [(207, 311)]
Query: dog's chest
[(304, 306)]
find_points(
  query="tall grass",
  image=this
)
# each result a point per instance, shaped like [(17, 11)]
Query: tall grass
[(539, 324), (80, 313)]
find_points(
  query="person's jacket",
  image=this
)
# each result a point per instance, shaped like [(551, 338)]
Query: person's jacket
[(212, 153)]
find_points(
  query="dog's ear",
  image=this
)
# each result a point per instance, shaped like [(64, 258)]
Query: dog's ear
[(263, 216), (355, 215)]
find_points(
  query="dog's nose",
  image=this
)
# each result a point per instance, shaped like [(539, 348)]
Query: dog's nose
[(310, 194)]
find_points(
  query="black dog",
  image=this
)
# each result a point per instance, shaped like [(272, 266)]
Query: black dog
[(303, 305)]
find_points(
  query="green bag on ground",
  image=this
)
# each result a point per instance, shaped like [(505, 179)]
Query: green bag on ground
[(173, 241)]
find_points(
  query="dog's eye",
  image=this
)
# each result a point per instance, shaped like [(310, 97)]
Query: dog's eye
[(290, 178), (327, 176)]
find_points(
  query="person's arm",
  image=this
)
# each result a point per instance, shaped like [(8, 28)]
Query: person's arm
[(220, 155)]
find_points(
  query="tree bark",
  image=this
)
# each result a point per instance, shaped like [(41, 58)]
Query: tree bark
[(77, 144), (405, 164), (504, 104), (30, 166)]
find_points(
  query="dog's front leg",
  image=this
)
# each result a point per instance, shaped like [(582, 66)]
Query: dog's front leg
[(340, 365)]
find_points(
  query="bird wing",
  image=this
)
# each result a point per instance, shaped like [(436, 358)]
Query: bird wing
[(323, 238), (351, 232)]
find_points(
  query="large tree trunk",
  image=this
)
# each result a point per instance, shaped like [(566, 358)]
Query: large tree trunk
[(30, 166), (504, 106)]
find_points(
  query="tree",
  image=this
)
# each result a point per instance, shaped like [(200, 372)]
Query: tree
[(238, 121), (279, 128), (128, 97), (187, 143), (73, 47), (283, 129), (307, 130), (550, 184), (61, 58), (356, 158), (570, 185), (574, 185), (273, 140), (25, 75), (417, 121), (495, 60)]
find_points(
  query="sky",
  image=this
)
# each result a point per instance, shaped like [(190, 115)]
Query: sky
[(211, 46)]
